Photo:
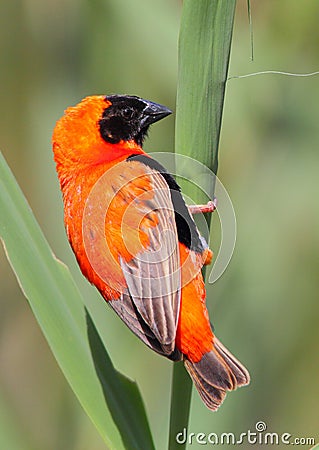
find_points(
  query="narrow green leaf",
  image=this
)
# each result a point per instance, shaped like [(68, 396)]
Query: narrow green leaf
[(112, 401), (180, 403), (121, 394), (251, 32), (204, 50)]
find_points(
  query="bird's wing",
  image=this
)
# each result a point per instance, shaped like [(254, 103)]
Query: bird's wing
[(150, 304)]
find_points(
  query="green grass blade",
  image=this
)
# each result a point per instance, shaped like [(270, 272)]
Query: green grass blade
[(204, 50), (180, 403), (251, 32), (112, 401), (121, 394)]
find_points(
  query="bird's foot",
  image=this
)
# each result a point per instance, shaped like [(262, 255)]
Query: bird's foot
[(208, 208)]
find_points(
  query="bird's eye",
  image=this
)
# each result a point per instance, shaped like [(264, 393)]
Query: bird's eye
[(127, 113)]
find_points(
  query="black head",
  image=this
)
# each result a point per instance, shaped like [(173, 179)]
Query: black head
[(129, 117)]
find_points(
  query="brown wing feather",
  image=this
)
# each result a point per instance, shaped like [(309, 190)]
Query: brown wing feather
[(151, 305), (127, 311)]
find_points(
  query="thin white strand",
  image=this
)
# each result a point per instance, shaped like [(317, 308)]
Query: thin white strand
[(276, 72)]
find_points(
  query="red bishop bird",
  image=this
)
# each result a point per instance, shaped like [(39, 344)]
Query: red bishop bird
[(135, 239)]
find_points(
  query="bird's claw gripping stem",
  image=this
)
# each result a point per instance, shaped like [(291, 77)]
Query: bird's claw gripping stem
[(208, 208)]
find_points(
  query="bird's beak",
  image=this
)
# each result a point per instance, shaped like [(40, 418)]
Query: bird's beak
[(153, 112)]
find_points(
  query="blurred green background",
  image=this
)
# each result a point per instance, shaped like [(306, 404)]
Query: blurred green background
[(265, 307)]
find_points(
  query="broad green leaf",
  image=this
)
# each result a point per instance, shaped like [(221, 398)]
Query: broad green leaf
[(204, 49), (112, 401)]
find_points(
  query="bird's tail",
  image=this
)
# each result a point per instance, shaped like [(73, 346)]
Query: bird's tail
[(216, 373)]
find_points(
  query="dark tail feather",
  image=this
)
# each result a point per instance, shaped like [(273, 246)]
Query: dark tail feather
[(217, 372)]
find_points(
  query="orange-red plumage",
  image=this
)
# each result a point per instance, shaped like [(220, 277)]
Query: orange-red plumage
[(121, 221)]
